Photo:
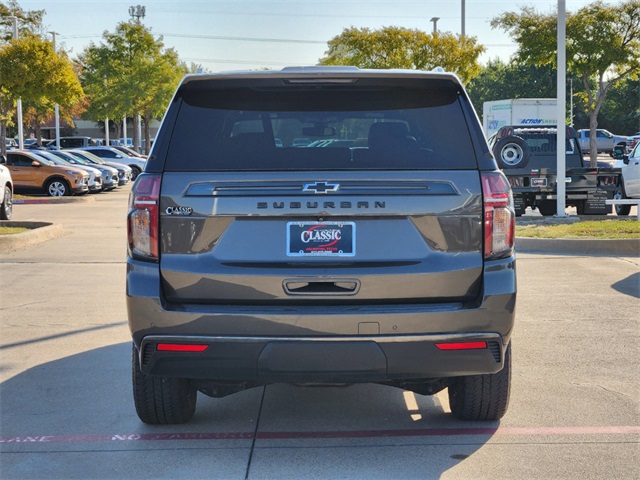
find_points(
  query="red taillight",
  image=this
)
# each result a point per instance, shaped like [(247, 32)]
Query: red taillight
[(142, 221), (499, 217), (181, 347), (462, 346)]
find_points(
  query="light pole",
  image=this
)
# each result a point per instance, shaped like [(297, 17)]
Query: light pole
[(462, 16), (561, 86), (57, 107), (435, 23), (19, 102)]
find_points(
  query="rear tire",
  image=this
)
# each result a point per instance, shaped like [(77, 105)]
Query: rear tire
[(621, 210), (482, 397), (547, 208), (162, 400), (135, 171)]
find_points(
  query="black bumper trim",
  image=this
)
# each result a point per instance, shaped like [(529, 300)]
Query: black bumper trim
[(322, 359)]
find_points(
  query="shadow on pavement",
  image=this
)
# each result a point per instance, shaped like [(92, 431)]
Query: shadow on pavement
[(629, 286), (74, 418)]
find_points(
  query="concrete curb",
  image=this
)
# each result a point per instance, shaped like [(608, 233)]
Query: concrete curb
[(615, 247), (52, 200), (40, 232)]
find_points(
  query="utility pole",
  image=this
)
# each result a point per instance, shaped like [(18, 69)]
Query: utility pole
[(435, 23), (462, 16), (57, 107), (19, 105)]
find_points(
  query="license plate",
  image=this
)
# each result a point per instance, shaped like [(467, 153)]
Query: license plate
[(538, 182), (328, 239)]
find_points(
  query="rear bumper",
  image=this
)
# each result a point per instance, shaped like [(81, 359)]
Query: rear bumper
[(320, 360), (321, 343)]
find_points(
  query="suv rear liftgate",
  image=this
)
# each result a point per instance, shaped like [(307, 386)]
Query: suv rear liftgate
[(381, 251)]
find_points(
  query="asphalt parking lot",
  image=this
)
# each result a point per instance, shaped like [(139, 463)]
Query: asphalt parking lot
[(66, 408)]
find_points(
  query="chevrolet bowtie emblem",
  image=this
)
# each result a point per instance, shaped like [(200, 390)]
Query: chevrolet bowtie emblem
[(321, 187)]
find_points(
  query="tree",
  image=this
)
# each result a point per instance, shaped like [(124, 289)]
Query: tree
[(498, 80), (31, 70), (29, 21), (603, 42), (397, 47), (621, 110), (130, 73)]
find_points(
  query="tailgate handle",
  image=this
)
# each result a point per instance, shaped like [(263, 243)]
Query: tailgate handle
[(321, 287)]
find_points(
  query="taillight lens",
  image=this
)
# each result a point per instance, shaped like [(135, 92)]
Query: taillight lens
[(499, 216), (142, 221)]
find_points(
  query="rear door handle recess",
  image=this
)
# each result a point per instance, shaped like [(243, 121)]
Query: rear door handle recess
[(321, 286)]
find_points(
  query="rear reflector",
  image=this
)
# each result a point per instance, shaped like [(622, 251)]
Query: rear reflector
[(462, 346), (181, 347)]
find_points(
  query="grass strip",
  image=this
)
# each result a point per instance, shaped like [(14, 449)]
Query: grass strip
[(601, 229), (12, 230)]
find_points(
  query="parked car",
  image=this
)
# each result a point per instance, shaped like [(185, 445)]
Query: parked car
[(250, 264), (77, 142), (31, 172), (129, 151), (10, 144), (629, 166), (124, 171), (6, 190), (113, 155), (605, 140), (109, 174), (632, 141), (95, 175)]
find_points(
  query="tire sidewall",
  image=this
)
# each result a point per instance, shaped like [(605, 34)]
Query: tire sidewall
[(6, 209), (64, 184), (621, 210), (512, 143)]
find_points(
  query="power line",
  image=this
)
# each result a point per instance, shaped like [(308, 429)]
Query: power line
[(244, 39)]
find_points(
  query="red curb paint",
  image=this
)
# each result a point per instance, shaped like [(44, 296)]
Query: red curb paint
[(434, 432)]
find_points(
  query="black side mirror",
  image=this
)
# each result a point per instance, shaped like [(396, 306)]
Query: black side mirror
[(3, 159), (618, 152), (625, 159)]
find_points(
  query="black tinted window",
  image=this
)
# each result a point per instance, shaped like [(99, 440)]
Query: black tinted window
[(343, 127)]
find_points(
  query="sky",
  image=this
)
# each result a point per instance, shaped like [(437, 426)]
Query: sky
[(225, 35)]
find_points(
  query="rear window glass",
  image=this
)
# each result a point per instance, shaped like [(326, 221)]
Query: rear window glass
[(545, 143), (328, 127)]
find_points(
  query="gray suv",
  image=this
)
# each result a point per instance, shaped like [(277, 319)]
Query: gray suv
[(384, 255)]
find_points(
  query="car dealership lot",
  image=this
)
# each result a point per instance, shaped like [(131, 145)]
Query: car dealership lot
[(66, 408)]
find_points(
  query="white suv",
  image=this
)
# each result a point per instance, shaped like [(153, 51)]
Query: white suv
[(6, 190)]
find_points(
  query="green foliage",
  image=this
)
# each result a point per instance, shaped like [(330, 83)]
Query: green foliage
[(129, 73), (620, 111), (397, 47), (498, 80), (602, 48), (31, 70), (29, 21)]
